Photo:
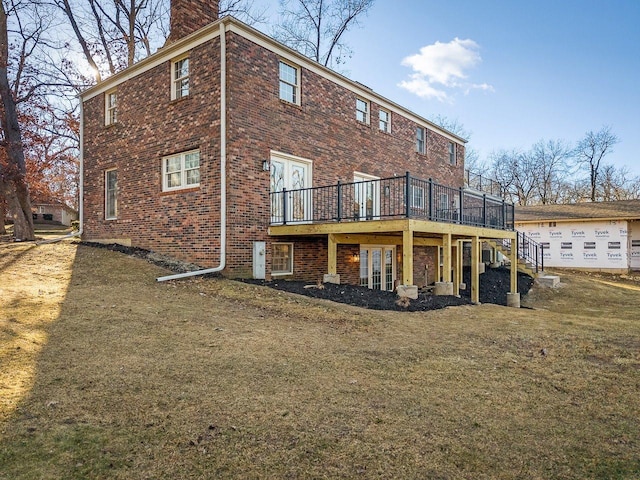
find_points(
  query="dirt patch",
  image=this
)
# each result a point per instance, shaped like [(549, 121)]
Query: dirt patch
[(157, 259)]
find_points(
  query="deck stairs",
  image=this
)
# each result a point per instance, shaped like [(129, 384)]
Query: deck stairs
[(530, 253)]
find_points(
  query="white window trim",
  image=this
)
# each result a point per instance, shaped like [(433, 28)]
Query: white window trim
[(367, 113), (423, 150), (296, 87), (394, 263), (175, 81), (452, 155), (110, 119), (183, 172), (418, 197), (106, 195), (387, 122), (279, 273)]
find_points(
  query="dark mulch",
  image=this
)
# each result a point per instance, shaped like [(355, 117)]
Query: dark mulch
[(494, 285)]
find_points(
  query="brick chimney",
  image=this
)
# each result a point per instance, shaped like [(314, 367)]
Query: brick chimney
[(187, 16)]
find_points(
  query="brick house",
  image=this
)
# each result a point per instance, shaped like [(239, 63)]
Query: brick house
[(230, 150)]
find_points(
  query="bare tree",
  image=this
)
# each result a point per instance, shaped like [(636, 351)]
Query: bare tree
[(617, 184), (551, 161), (114, 34), (590, 152), (515, 171), (315, 27), (13, 182)]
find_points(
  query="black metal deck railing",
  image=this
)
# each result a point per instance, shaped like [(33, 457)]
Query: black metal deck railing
[(528, 249), (480, 182), (388, 198)]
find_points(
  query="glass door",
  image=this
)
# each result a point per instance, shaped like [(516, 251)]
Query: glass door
[(377, 267), (294, 175), (367, 197)]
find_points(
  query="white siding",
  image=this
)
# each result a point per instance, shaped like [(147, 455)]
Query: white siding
[(594, 245)]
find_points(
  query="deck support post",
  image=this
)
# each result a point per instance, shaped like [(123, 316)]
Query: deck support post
[(457, 278), (445, 287), (446, 261), (407, 289), (332, 260), (407, 257), (475, 270), (513, 297)]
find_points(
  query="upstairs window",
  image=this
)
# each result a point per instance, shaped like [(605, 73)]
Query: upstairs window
[(289, 83), (452, 153), (420, 140), (110, 194), (385, 121), (362, 110), (111, 107), (180, 76), (181, 171)]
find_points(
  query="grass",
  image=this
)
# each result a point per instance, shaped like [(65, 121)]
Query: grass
[(105, 373)]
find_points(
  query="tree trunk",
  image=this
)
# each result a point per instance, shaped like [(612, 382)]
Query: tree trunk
[(3, 215), (13, 183)]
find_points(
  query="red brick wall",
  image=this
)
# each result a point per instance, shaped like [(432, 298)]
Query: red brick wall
[(323, 129), (185, 224), (187, 16)]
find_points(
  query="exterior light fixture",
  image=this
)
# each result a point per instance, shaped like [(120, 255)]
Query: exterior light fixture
[(266, 165)]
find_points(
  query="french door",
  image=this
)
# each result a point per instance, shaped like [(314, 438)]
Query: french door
[(377, 267), (367, 197), (294, 174)]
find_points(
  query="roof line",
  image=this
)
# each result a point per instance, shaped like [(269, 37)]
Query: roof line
[(234, 25)]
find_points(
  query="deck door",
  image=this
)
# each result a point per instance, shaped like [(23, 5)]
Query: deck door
[(377, 267), (367, 197), (294, 174)]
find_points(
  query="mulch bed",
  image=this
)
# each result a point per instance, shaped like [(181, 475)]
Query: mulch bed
[(494, 285)]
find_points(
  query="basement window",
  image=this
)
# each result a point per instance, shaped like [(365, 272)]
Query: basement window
[(282, 259)]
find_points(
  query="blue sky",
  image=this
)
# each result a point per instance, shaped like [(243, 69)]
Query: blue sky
[(512, 72)]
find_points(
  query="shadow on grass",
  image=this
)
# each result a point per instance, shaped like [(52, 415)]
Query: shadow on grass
[(209, 378)]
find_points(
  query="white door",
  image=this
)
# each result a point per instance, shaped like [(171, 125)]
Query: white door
[(294, 174), (367, 196), (377, 267)]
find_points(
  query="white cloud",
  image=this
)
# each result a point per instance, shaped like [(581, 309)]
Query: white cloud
[(421, 87), (442, 67)]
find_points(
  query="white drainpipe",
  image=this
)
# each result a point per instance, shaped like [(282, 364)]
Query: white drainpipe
[(223, 168)]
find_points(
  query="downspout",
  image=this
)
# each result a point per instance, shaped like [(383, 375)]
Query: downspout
[(223, 168), (81, 187)]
